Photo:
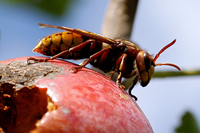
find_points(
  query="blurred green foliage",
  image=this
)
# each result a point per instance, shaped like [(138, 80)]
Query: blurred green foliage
[(163, 74), (55, 7), (188, 124)]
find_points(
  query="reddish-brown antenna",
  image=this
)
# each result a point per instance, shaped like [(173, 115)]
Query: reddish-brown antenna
[(162, 50)]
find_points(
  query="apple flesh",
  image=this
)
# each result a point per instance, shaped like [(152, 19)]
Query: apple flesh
[(54, 99)]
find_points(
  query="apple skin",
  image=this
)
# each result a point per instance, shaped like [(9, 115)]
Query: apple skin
[(87, 101)]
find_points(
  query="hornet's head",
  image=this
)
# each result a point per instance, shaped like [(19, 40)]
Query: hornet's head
[(146, 63)]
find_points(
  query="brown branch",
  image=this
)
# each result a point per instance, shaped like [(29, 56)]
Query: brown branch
[(119, 19)]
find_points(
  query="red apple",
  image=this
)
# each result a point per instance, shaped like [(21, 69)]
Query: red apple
[(48, 97)]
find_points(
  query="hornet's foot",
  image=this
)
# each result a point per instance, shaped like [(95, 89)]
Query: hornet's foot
[(75, 69), (36, 60)]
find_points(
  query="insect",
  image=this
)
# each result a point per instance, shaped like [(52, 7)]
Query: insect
[(121, 56)]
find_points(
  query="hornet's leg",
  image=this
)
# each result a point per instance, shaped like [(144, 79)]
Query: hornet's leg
[(92, 57), (121, 68), (132, 86)]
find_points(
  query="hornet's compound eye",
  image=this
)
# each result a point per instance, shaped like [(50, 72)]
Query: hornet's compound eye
[(147, 61)]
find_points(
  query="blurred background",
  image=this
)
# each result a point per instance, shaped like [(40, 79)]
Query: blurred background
[(157, 23)]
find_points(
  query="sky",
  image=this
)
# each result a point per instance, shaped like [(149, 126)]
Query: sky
[(157, 23)]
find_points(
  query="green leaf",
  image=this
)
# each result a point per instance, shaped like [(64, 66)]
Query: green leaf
[(55, 7), (188, 124)]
